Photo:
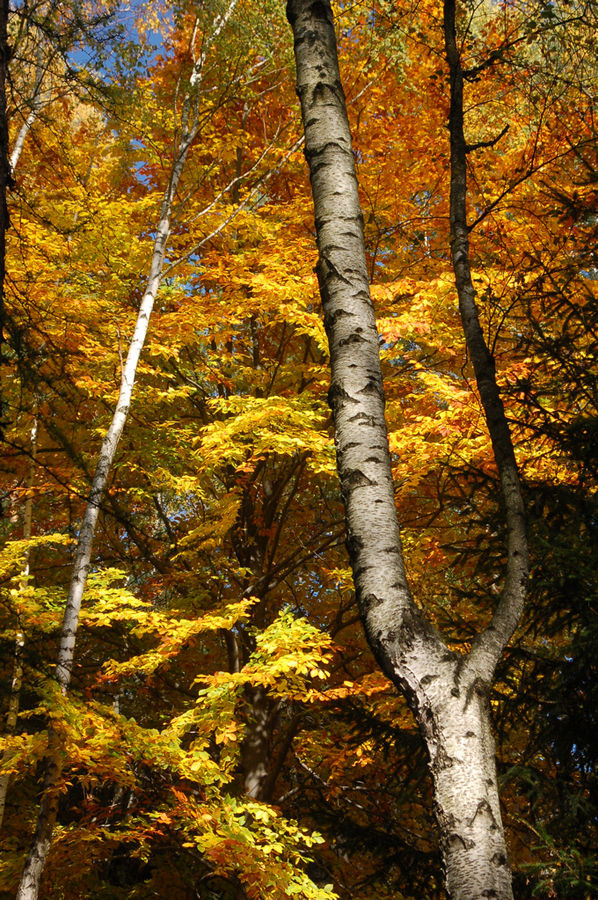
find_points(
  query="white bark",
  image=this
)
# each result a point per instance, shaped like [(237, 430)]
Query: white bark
[(466, 803), (448, 693), (35, 104)]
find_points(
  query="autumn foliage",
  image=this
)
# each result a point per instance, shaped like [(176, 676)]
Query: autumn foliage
[(228, 733)]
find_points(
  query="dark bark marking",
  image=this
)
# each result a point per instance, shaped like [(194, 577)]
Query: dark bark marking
[(337, 394), (479, 687), (355, 478), (468, 844), (442, 760), (315, 167), (354, 544), (352, 339), (484, 807), (373, 386), (363, 417), (326, 269), (371, 601)]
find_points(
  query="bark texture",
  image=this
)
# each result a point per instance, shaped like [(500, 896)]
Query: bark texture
[(448, 693), (255, 747)]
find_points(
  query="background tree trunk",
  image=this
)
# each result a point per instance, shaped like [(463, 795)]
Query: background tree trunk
[(17, 669), (5, 179), (53, 761)]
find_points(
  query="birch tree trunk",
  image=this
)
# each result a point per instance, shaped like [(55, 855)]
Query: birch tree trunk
[(53, 761), (35, 104), (447, 693)]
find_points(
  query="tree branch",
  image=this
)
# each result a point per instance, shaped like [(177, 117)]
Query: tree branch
[(488, 646)]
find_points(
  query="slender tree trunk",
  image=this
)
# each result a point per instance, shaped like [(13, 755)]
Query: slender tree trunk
[(447, 693), (255, 747), (256, 708), (489, 646), (54, 759), (35, 103), (5, 182)]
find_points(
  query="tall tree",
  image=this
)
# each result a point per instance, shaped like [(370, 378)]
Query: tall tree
[(189, 127), (447, 692)]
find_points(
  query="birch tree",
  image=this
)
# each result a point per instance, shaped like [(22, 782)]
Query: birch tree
[(190, 122), (448, 693)]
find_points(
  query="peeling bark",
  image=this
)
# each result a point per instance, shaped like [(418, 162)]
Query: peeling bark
[(447, 693)]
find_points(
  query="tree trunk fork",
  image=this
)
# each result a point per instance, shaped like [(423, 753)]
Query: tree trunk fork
[(448, 693)]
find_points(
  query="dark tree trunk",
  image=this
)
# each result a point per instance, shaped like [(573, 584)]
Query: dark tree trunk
[(489, 646), (5, 184), (255, 747), (447, 693)]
